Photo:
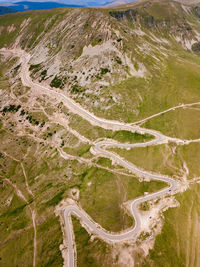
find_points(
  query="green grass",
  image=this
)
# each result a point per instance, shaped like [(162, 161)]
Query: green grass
[(18, 250), (102, 194), (180, 123), (49, 239), (35, 67), (144, 206), (168, 83), (56, 199), (179, 239), (190, 154), (94, 132), (90, 253), (104, 162), (83, 150), (126, 136), (39, 24), (177, 83), (154, 158), (86, 129), (15, 217), (57, 82), (5, 66), (48, 176)]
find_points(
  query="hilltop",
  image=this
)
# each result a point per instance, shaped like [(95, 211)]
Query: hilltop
[(103, 47)]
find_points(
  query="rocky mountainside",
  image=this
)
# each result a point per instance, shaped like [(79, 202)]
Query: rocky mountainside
[(86, 50)]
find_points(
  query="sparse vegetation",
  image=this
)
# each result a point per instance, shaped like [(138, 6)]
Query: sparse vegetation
[(43, 75), (11, 108), (34, 67), (57, 83), (144, 206), (118, 60), (104, 71), (76, 89)]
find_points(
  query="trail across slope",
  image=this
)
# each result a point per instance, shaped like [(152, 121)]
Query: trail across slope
[(165, 111)]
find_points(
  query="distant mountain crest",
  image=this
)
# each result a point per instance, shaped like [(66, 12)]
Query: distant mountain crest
[(35, 5), (26, 5), (4, 10)]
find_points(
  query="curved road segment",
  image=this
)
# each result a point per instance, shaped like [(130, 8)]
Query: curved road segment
[(99, 148)]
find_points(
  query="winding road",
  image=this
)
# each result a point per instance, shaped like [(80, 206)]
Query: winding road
[(100, 149)]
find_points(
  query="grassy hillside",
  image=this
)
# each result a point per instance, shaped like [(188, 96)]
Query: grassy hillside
[(123, 63), (34, 176), (178, 243)]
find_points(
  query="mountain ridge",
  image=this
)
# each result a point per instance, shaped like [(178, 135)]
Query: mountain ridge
[(90, 41), (31, 5)]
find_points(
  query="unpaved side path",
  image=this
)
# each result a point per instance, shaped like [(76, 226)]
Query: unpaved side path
[(33, 217), (165, 111), (32, 210)]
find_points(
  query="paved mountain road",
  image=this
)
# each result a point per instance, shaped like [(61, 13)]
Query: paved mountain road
[(99, 149)]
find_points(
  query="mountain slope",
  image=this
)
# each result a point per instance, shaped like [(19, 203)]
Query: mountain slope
[(90, 55), (124, 63)]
